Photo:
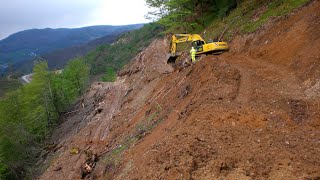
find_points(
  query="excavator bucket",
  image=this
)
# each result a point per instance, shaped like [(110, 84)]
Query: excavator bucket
[(171, 59)]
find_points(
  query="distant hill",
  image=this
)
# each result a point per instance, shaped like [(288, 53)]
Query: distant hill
[(26, 45), (58, 58)]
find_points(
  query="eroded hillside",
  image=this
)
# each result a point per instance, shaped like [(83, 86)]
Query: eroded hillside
[(251, 113)]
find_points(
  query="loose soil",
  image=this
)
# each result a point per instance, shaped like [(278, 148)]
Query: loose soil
[(251, 113)]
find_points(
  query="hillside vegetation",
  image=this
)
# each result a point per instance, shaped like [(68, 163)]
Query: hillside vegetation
[(110, 58), (215, 17), (28, 114), (250, 16)]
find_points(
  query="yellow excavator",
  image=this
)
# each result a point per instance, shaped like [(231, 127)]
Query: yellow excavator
[(198, 43)]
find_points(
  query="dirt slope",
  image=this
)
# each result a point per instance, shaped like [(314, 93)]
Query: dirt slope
[(252, 113)]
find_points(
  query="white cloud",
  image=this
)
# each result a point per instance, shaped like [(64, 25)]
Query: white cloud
[(120, 12), (17, 15)]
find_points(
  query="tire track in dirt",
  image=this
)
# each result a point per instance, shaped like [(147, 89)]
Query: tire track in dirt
[(283, 81)]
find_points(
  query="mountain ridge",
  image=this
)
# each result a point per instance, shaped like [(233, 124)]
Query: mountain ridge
[(30, 43), (58, 58)]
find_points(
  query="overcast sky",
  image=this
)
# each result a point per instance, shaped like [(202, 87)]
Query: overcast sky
[(17, 15)]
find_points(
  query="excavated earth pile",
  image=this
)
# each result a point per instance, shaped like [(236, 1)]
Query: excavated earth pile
[(251, 113)]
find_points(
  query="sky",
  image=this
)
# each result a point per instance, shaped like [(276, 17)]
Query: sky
[(17, 15)]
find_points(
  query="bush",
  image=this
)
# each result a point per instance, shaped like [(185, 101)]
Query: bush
[(110, 75)]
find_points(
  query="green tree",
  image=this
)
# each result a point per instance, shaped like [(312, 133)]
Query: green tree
[(38, 109), (70, 84), (77, 72), (15, 140)]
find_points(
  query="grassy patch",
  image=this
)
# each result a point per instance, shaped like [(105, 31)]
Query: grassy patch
[(250, 16), (113, 157), (274, 9), (150, 122)]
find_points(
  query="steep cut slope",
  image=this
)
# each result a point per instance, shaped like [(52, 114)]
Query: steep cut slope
[(252, 113)]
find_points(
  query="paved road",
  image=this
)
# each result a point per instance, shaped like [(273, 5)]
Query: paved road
[(26, 78)]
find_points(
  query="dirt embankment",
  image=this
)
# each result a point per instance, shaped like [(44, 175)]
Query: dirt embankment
[(252, 113)]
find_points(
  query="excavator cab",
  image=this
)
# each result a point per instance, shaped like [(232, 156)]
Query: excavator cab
[(198, 45)]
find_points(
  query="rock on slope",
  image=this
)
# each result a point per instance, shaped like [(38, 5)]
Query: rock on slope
[(252, 113)]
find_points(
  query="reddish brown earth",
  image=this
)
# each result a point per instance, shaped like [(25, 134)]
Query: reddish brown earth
[(251, 113)]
